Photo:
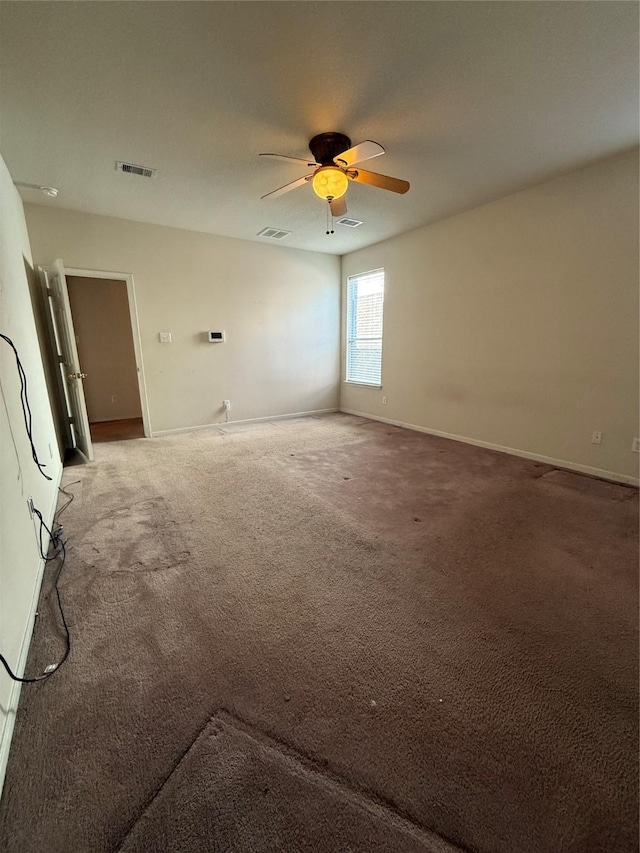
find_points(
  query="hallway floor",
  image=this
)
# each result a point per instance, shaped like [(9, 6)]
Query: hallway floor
[(117, 430)]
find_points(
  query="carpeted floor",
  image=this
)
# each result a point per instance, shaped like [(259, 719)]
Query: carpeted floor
[(329, 634)]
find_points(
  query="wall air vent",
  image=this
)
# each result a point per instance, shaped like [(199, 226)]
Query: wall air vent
[(132, 169), (273, 233), (350, 223)]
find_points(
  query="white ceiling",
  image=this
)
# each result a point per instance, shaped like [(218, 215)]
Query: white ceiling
[(472, 101)]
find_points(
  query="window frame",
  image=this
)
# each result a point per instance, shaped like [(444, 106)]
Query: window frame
[(348, 341)]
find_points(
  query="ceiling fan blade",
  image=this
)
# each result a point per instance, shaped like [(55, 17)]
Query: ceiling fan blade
[(338, 206), (363, 151), (287, 187), (309, 162), (376, 180)]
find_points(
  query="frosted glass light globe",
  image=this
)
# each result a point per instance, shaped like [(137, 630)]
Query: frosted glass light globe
[(330, 182)]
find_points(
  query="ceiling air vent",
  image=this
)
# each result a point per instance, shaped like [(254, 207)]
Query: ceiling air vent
[(273, 233), (350, 223), (132, 169)]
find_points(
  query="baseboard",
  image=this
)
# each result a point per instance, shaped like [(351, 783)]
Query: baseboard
[(14, 697), (513, 451), (158, 433)]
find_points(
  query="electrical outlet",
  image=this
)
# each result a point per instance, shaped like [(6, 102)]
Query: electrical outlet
[(114, 398), (596, 437), (226, 405), (384, 401), (635, 446), (165, 337)]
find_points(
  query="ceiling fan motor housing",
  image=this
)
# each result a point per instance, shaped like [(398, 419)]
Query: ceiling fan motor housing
[(326, 146)]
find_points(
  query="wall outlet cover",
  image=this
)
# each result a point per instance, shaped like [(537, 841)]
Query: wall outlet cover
[(165, 337)]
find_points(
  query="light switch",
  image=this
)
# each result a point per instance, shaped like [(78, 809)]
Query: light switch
[(165, 337)]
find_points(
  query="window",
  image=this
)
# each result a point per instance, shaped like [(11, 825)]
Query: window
[(365, 296)]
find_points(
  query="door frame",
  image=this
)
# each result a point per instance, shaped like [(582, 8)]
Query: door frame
[(135, 331)]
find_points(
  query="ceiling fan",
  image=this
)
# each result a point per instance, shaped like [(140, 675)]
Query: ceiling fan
[(333, 165)]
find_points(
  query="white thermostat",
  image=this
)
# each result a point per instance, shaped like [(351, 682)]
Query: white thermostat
[(216, 337)]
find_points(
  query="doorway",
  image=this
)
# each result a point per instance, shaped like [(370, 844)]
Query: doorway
[(106, 331), (104, 339)]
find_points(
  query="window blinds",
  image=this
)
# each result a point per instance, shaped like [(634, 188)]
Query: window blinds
[(365, 296)]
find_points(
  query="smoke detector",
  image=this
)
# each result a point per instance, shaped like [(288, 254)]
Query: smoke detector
[(50, 191)]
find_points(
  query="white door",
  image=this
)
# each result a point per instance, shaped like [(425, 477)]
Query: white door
[(70, 365)]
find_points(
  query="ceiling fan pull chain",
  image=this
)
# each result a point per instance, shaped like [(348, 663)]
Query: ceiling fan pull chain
[(329, 214)]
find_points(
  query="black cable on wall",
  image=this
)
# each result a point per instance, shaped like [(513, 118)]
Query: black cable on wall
[(55, 537)]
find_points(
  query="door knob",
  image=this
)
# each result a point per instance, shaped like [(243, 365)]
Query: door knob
[(77, 376)]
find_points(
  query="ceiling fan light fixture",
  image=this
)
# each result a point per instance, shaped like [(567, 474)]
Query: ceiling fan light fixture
[(329, 182)]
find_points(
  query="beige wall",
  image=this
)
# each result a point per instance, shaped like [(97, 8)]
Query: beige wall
[(102, 324), (20, 562), (279, 308), (516, 324)]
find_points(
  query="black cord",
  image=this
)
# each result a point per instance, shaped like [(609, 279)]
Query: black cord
[(59, 545), (26, 408), (69, 495), (55, 539)]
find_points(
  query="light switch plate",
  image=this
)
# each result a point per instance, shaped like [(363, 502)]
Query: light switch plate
[(165, 337)]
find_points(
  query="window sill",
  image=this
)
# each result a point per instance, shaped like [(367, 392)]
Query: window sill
[(360, 384)]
